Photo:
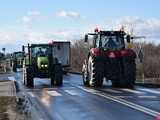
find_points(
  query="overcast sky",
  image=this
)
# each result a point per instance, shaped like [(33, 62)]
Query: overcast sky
[(35, 21)]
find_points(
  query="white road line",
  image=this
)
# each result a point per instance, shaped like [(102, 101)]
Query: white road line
[(12, 78), (151, 97), (150, 90), (132, 91), (90, 90), (111, 91), (72, 92), (31, 94), (125, 102), (54, 93), (124, 96)]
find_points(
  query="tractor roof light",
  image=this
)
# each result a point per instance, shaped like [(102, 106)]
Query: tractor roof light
[(51, 42), (122, 28), (97, 30)]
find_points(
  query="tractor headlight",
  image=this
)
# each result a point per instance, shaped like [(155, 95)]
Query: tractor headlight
[(46, 65), (42, 65)]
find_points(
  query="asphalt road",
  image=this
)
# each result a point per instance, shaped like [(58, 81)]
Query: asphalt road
[(73, 101)]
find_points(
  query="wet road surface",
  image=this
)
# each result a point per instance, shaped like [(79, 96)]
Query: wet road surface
[(73, 101)]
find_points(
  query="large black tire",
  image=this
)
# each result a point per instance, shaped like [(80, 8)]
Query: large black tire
[(52, 80), (129, 76), (116, 83), (28, 77), (14, 67), (85, 75), (58, 76), (95, 72)]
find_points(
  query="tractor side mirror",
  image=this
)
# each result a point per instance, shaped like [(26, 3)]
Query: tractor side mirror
[(86, 38), (128, 38)]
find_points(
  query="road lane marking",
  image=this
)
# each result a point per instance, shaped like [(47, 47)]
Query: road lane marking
[(124, 96), (150, 91), (31, 94), (54, 93), (72, 92), (112, 91), (132, 91), (91, 90), (12, 78), (150, 97), (142, 96), (123, 102)]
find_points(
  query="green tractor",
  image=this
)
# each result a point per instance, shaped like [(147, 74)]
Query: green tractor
[(16, 60), (40, 62)]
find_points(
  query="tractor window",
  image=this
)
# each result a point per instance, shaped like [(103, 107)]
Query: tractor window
[(98, 41), (19, 55), (111, 42), (40, 51)]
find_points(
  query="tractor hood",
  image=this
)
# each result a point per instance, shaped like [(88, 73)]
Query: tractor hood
[(42, 62)]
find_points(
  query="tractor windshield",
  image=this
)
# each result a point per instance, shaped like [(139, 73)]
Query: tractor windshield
[(19, 55), (38, 51), (111, 42)]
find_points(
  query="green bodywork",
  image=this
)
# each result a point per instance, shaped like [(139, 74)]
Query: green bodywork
[(42, 62)]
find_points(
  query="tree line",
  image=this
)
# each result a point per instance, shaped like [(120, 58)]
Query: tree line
[(150, 66)]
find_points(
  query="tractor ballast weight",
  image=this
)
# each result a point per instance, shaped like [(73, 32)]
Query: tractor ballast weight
[(41, 61), (110, 57)]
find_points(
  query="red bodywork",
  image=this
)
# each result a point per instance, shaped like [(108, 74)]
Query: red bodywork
[(113, 54)]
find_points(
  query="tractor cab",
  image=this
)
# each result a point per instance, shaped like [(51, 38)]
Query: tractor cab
[(40, 50), (109, 40)]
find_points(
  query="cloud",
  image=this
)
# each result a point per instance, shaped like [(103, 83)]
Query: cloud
[(34, 13), (139, 25), (69, 14), (30, 17), (8, 37)]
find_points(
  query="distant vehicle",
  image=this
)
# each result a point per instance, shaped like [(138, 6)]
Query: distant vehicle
[(46, 61), (110, 57), (16, 60)]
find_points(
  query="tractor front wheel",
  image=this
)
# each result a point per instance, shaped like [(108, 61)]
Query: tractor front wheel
[(28, 77), (14, 67), (58, 76), (95, 72), (129, 73), (85, 74)]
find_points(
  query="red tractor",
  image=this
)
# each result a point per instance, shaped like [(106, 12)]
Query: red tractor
[(110, 58)]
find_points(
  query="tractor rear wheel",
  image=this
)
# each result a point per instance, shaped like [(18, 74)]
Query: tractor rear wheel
[(129, 73), (116, 83), (85, 75), (28, 77), (95, 72), (58, 76), (52, 80)]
